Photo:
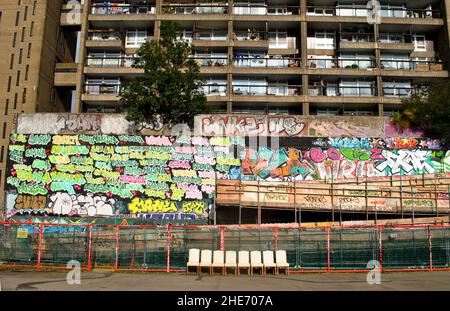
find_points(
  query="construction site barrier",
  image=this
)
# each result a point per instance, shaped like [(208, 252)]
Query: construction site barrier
[(165, 249)]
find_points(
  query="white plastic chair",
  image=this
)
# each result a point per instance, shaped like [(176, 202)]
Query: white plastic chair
[(244, 261), (205, 259), (256, 262), (194, 259), (269, 262), (230, 261), (218, 261), (281, 261)]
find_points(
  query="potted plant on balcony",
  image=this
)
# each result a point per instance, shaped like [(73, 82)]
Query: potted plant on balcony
[(355, 66)]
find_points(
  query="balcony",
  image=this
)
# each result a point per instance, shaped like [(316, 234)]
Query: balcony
[(256, 62), (344, 63), (212, 64), (357, 41), (215, 89), (199, 8), (71, 14), (253, 38), (104, 39), (396, 43), (103, 93), (388, 64), (65, 74), (210, 38), (281, 10), (111, 66), (281, 90), (348, 91), (122, 9)]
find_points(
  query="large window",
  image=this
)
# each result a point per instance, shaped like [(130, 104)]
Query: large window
[(395, 61), (396, 88), (356, 60), (135, 38), (278, 40), (325, 40), (357, 88), (419, 43)]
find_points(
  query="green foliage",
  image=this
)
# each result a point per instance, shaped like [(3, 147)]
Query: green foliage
[(429, 113), (170, 89)]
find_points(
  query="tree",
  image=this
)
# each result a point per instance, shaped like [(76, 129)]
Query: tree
[(430, 113), (170, 89)]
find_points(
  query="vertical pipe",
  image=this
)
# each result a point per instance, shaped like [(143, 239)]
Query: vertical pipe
[(116, 265), (168, 248), (89, 264), (222, 238), (430, 248), (380, 247), (328, 251), (275, 233), (41, 230)]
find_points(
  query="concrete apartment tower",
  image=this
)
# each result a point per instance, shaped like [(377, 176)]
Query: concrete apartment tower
[(34, 39), (303, 57)]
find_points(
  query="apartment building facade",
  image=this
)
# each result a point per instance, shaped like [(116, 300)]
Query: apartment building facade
[(274, 57)]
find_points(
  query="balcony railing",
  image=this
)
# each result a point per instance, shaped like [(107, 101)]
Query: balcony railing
[(266, 62), (342, 91), (363, 11), (104, 35), (210, 8), (249, 35), (102, 88), (125, 61), (398, 91), (357, 37), (240, 9), (121, 8), (215, 89), (267, 90), (343, 63), (411, 65), (216, 35), (211, 61)]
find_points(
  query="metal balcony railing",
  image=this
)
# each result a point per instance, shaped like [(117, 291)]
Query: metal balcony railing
[(343, 63), (121, 8), (211, 61), (363, 11), (342, 90), (411, 65), (125, 61), (267, 90), (213, 35), (215, 89), (243, 9), (104, 35), (286, 62), (357, 37), (101, 88), (207, 8), (256, 35)]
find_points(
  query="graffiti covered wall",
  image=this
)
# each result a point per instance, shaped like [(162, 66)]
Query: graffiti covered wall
[(148, 177)]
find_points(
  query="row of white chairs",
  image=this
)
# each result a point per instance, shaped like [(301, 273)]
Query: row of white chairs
[(247, 260)]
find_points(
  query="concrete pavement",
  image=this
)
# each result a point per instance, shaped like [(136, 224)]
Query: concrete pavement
[(103, 280)]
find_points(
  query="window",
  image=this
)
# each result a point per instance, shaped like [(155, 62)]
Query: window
[(24, 96), (2, 153), (356, 60), (395, 61), (17, 18), (356, 88), (25, 13), (31, 29), (135, 38), (396, 88), (27, 69), (6, 107), (14, 40), (34, 7), (29, 50), (23, 34), (9, 84), (419, 43), (3, 135), (15, 101), (325, 40), (18, 78), (11, 64), (278, 40), (20, 56)]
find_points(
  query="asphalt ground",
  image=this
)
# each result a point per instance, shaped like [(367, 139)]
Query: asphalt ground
[(104, 280)]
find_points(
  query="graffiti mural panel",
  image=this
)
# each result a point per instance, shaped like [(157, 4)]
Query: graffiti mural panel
[(145, 177)]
